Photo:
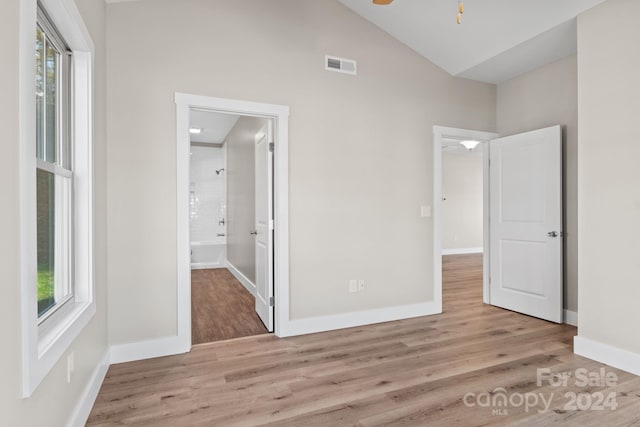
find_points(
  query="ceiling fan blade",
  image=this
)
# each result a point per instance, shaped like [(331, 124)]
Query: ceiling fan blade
[(382, 2)]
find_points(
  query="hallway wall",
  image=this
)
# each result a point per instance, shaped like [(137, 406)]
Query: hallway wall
[(462, 211), (241, 251)]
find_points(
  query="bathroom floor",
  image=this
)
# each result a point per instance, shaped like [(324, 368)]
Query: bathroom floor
[(221, 308)]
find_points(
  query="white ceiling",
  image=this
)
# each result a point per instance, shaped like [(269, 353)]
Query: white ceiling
[(497, 40), (215, 126)]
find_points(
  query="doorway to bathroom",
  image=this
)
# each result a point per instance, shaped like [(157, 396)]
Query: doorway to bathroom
[(271, 229), (230, 199)]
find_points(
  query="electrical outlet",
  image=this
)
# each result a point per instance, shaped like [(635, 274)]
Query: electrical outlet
[(70, 366), (361, 285), (353, 286)]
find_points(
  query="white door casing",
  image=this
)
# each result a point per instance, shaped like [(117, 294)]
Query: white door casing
[(525, 198), (283, 326), (263, 232)]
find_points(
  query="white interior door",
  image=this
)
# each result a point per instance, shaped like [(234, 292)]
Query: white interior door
[(525, 198), (264, 225)]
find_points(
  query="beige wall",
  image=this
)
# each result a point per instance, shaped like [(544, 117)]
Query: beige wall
[(241, 213), (54, 400), (462, 211), (609, 200), (541, 98), (10, 214), (360, 151)]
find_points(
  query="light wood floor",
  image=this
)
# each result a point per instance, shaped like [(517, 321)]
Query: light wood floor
[(221, 308), (411, 372)]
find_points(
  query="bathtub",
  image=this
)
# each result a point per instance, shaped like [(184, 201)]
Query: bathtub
[(208, 254)]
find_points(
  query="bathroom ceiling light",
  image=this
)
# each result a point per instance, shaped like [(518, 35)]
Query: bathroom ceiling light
[(195, 131), (470, 144)]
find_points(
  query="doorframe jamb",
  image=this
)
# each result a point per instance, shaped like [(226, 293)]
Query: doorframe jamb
[(440, 133)]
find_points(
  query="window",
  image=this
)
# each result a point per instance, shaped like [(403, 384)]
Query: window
[(54, 175), (57, 283)]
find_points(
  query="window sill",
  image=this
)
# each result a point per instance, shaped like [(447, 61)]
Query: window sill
[(74, 318), (55, 341)]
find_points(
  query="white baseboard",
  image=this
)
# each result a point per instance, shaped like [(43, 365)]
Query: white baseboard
[(82, 410), (206, 265), (159, 347), (605, 353), (347, 320), (571, 317), (242, 278), (462, 251)]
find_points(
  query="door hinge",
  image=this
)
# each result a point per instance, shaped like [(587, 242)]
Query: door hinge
[(271, 225), (271, 147), (271, 301)]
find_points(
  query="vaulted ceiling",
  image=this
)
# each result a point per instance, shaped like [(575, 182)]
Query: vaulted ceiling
[(497, 39)]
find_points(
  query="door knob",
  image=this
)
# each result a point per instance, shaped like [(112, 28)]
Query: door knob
[(254, 232), (552, 234)]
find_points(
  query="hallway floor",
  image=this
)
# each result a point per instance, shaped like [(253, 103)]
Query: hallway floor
[(221, 308)]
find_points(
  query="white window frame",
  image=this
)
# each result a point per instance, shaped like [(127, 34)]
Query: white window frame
[(63, 277), (42, 347)]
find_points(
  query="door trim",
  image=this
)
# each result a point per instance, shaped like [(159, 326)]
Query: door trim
[(440, 133), (280, 116)]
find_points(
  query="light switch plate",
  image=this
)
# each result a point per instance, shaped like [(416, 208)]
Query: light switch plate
[(353, 286)]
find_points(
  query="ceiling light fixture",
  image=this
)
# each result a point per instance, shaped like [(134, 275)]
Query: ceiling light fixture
[(469, 144), (460, 12), (195, 131)]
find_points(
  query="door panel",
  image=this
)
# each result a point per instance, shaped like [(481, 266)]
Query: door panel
[(264, 231), (522, 195), (525, 196)]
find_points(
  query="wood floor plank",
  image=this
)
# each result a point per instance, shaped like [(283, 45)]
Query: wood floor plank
[(221, 308), (410, 372)]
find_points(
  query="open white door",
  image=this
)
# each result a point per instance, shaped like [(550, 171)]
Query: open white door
[(525, 198), (264, 225)]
